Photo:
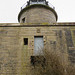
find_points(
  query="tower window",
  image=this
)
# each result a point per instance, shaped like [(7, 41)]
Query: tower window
[(23, 20), (25, 41), (34, 0), (40, 0)]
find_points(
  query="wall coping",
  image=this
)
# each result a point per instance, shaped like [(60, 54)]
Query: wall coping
[(36, 24)]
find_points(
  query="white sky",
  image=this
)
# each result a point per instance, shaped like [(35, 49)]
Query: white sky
[(9, 10)]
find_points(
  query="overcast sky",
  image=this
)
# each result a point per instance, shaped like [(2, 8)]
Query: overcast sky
[(9, 10)]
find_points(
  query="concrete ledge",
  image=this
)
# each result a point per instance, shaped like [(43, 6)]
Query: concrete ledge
[(36, 24)]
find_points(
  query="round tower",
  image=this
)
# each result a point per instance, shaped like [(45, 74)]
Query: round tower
[(37, 11)]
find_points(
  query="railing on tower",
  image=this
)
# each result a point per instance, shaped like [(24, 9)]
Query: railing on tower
[(47, 3)]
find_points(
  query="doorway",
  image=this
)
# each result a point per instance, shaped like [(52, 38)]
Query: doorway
[(38, 45)]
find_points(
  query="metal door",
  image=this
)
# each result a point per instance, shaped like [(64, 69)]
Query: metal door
[(38, 45)]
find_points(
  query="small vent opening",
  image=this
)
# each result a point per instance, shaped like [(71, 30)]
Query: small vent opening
[(25, 41)]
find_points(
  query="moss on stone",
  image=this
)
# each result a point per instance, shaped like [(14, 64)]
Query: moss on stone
[(23, 58)]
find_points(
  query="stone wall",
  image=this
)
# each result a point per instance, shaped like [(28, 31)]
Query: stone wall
[(42, 14), (15, 56)]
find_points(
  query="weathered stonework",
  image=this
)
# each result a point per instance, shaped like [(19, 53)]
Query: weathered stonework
[(38, 14), (15, 56), (35, 20)]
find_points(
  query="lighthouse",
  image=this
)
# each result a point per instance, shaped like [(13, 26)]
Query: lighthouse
[(37, 11)]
